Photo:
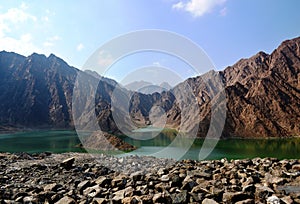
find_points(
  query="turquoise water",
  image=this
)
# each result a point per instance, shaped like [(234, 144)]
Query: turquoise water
[(40, 141), (66, 141)]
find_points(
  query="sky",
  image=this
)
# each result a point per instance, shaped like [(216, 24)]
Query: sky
[(226, 30)]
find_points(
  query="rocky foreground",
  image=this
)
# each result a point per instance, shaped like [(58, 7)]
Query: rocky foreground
[(80, 178)]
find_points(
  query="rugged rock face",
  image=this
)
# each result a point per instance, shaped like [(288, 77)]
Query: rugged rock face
[(263, 96), (35, 91), (264, 93)]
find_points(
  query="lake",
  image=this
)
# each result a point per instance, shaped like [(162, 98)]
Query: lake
[(66, 141)]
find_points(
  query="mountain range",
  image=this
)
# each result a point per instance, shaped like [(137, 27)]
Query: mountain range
[(262, 96)]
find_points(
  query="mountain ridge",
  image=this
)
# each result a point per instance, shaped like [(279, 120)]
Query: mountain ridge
[(263, 95)]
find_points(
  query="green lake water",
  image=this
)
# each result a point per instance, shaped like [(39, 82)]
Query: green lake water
[(66, 141)]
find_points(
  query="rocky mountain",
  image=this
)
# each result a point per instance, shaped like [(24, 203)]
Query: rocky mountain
[(264, 93), (262, 97), (36, 91)]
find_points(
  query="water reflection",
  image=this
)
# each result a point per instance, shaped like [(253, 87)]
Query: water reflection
[(66, 141)]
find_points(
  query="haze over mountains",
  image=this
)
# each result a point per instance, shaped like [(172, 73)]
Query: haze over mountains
[(263, 95), (146, 87)]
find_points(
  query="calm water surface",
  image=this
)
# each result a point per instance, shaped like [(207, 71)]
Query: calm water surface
[(66, 141)]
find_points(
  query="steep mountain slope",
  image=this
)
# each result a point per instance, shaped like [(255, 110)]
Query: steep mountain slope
[(262, 92), (35, 91)]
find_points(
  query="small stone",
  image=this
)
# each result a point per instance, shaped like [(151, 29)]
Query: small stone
[(68, 163), (137, 176), (132, 200), (232, 197), (103, 181), (175, 180), (296, 167), (248, 201), (21, 194), (66, 200), (263, 192), (196, 197), (19, 199), (209, 201), (199, 189), (249, 189), (160, 198), (91, 191), (287, 200), (146, 198), (203, 174), (164, 178), (29, 199), (161, 187), (99, 201), (128, 192), (188, 184), (83, 185), (51, 187), (180, 197), (119, 195), (119, 181), (273, 200)]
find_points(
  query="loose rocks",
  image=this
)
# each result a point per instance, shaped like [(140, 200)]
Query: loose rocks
[(79, 178)]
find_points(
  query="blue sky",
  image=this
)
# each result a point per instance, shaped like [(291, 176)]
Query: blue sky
[(227, 30)]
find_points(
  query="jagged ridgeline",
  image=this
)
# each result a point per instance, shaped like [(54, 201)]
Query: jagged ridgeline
[(263, 95)]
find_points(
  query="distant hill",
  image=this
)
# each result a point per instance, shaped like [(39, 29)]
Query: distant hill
[(147, 87)]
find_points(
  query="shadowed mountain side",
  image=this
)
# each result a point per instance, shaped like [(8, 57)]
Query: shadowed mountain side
[(256, 97)]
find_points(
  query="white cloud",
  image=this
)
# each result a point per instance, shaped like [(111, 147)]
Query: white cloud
[(24, 6), (45, 18), (22, 45), (198, 7), (26, 38), (16, 15), (48, 44), (79, 47), (51, 41), (12, 17), (9, 21), (54, 38)]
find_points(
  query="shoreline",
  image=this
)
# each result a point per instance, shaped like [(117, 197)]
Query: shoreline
[(79, 178), (14, 130)]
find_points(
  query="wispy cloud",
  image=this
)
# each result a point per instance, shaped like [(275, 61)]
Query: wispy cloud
[(198, 7), (79, 47), (51, 41)]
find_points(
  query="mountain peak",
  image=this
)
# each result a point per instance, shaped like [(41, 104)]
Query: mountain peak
[(37, 55)]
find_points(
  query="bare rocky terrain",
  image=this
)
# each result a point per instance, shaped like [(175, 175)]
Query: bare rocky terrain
[(83, 178), (262, 93)]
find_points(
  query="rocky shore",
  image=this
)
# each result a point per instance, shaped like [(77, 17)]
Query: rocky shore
[(81, 178)]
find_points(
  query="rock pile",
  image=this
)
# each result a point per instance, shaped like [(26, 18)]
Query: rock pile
[(79, 178)]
